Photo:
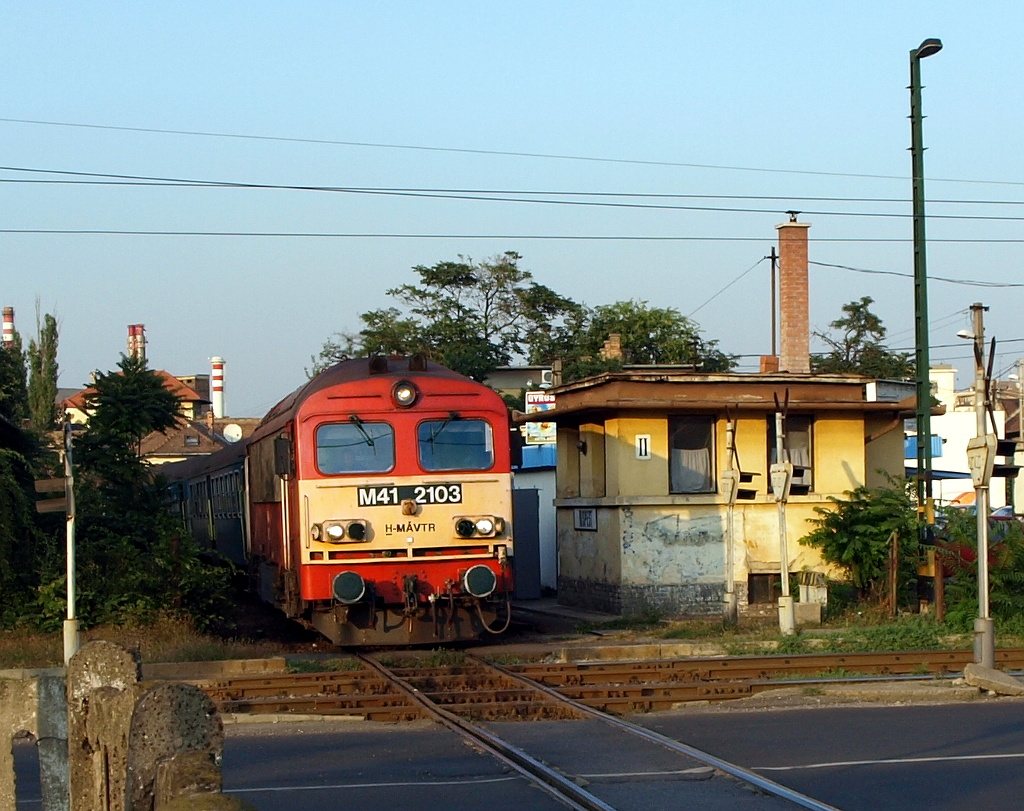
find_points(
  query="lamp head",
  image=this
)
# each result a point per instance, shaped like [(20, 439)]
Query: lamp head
[(927, 48), (966, 334)]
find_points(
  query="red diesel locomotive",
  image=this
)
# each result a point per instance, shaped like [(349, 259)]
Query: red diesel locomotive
[(377, 504)]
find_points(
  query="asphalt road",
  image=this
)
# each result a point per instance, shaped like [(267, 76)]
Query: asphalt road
[(911, 758), (424, 766), (932, 758)]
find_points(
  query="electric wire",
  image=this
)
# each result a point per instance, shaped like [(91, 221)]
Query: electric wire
[(965, 282), (730, 284), (500, 196), (489, 152), (168, 183), (507, 237)]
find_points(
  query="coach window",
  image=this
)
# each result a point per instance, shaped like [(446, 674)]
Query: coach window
[(691, 454), (355, 447), (455, 444)]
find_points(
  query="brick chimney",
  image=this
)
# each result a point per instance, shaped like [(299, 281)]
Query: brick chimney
[(612, 349), (794, 307)]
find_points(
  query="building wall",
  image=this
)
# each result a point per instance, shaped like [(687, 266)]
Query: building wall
[(643, 548), (884, 450)]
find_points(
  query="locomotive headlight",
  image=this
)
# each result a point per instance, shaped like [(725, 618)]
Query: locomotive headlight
[(404, 394), (464, 528), (357, 530), (485, 526), (315, 532), (335, 532)]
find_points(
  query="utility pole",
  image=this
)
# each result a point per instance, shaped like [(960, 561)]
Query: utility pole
[(921, 349), (774, 257), (71, 623), (781, 474), (730, 484), (981, 453)]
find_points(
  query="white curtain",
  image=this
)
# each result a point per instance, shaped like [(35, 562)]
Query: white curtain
[(690, 470)]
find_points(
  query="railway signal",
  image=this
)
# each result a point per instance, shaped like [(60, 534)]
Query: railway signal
[(52, 505), (65, 504)]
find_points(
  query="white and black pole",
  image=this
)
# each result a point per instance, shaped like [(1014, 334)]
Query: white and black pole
[(71, 623)]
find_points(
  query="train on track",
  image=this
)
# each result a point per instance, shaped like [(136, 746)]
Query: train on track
[(374, 504)]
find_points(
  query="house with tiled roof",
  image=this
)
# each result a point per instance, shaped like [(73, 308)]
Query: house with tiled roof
[(76, 405)]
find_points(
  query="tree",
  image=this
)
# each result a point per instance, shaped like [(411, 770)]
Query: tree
[(132, 561), (648, 335), (470, 317), (858, 347), (13, 385), (42, 379)]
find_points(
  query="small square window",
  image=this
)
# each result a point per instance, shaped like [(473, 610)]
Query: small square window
[(191, 440)]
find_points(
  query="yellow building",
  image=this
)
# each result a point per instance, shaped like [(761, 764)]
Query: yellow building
[(641, 511)]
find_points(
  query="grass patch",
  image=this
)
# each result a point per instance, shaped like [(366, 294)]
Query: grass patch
[(165, 640), (633, 622), (334, 664), (435, 658)]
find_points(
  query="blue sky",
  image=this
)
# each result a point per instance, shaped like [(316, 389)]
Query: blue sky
[(773, 103)]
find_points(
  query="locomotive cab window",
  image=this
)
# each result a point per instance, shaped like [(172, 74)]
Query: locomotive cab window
[(455, 444), (355, 447)]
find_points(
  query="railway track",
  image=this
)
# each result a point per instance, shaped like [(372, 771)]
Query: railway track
[(478, 690), (462, 697)]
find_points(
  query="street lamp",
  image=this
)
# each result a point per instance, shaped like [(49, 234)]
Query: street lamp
[(921, 359)]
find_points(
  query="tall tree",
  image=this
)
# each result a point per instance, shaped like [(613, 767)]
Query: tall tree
[(648, 335), (13, 382), (469, 316), (857, 348), (132, 560), (42, 379)]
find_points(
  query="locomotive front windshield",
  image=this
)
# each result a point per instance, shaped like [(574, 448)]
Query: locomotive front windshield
[(355, 447), (455, 444)]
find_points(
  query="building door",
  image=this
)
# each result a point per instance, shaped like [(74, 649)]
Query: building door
[(526, 561)]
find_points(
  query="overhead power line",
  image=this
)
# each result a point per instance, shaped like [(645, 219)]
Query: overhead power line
[(493, 195), (567, 237), (965, 282), (782, 198), (491, 152)]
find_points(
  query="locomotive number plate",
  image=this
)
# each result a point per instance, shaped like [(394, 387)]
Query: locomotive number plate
[(420, 493)]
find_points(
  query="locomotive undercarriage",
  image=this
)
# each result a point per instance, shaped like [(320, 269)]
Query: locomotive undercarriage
[(446, 617), (370, 624)]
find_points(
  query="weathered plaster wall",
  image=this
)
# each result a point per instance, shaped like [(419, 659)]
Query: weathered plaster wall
[(567, 470), (670, 548), (590, 555), (592, 461), (838, 454), (884, 452)]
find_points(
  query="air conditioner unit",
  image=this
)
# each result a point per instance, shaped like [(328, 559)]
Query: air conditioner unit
[(546, 378)]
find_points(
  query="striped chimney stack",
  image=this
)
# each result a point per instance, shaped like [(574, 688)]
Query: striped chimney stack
[(794, 302), (137, 341), (217, 386), (8, 339)]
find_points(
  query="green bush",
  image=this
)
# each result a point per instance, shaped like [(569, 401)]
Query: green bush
[(853, 534), (957, 547)]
